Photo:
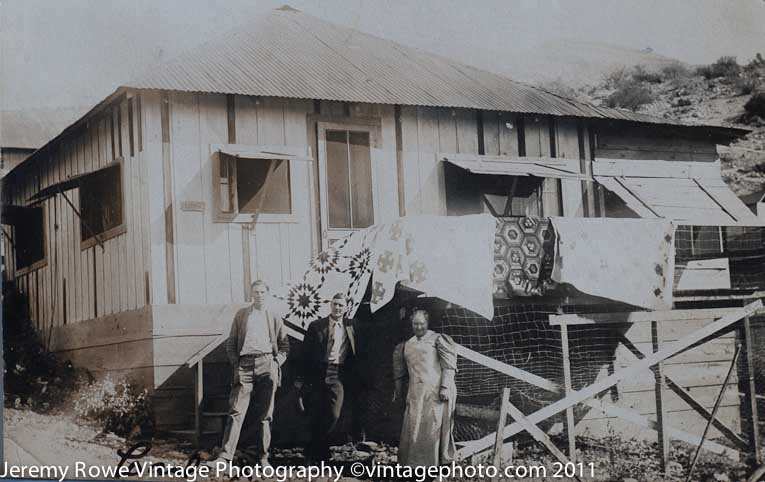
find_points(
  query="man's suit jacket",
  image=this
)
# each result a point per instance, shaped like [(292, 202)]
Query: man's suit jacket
[(315, 346), (280, 345)]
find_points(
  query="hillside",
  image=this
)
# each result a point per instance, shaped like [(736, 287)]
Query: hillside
[(716, 94)]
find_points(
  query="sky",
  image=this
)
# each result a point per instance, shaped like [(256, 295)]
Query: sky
[(73, 53)]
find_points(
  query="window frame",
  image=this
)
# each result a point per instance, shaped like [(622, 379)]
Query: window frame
[(257, 153), (41, 263), (115, 231), (372, 128)]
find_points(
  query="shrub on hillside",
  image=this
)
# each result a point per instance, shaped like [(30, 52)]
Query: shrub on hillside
[(675, 71), (745, 86), (756, 105), (615, 77), (641, 74), (722, 67), (630, 94), (120, 407)]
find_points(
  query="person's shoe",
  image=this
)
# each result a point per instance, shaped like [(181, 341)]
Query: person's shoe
[(264, 463), (218, 462)]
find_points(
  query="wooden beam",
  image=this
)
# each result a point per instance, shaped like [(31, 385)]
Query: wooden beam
[(198, 396), (537, 433), (611, 380), (500, 425), (661, 410), (751, 391), (508, 370), (640, 316), (570, 426)]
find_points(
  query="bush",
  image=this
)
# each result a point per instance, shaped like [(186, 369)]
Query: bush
[(745, 86), (641, 74), (756, 105), (675, 71), (615, 77), (722, 67), (630, 94), (122, 408)]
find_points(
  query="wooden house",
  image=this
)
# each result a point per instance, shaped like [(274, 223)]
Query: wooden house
[(137, 230)]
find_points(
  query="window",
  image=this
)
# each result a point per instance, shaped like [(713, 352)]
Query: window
[(101, 211), (29, 239), (249, 184), (470, 193), (350, 203)]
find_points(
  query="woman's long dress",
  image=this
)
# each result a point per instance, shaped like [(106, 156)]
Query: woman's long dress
[(426, 433)]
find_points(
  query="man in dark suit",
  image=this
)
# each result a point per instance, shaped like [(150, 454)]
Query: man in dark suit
[(328, 352)]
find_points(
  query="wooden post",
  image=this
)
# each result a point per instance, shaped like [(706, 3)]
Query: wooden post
[(570, 427), (198, 395), (661, 410), (500, 425), (751, 391)]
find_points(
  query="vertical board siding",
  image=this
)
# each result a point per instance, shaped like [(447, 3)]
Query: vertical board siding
[(217, 236), (567, 145), (187, 186), (98, 281)]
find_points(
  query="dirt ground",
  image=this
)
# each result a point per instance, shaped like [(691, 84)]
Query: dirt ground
[(32, 438)]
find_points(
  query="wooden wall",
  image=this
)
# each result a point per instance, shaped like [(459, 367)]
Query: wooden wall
[(195, 258), (78, 284), (615, 141), (427, 131), (700, 371)]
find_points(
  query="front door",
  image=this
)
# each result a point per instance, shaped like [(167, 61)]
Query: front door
[(347, 196)]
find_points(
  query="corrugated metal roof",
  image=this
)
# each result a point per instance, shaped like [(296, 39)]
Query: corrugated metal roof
[(291, 54)]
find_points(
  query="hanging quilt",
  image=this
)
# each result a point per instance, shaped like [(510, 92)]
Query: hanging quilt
[(524, 253), (445, 257)]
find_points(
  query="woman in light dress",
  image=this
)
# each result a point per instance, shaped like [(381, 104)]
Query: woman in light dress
[(427, 361)]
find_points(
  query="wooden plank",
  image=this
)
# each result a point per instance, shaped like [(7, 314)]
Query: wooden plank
[(567, 146), (704, 274), (570, 426), (169, 200), (467, 132), (537, 433), (640, 316), (386, 175), (128, 251), (661, 411), (508, 126), (653, 168), (508, 370), (186, 165), (434, 128), (602, 385), (410, 160), (220, 239), (504, 405), (751, 391), (491, 130)]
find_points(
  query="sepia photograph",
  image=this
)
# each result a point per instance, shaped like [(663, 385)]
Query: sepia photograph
[(355, 241)]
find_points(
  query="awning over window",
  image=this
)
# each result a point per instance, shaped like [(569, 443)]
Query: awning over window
[(690, 193), (263, 152), (67, 184), (516, 166)]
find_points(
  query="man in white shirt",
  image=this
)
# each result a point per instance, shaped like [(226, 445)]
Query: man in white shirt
[(257, 347), (328, 350)]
